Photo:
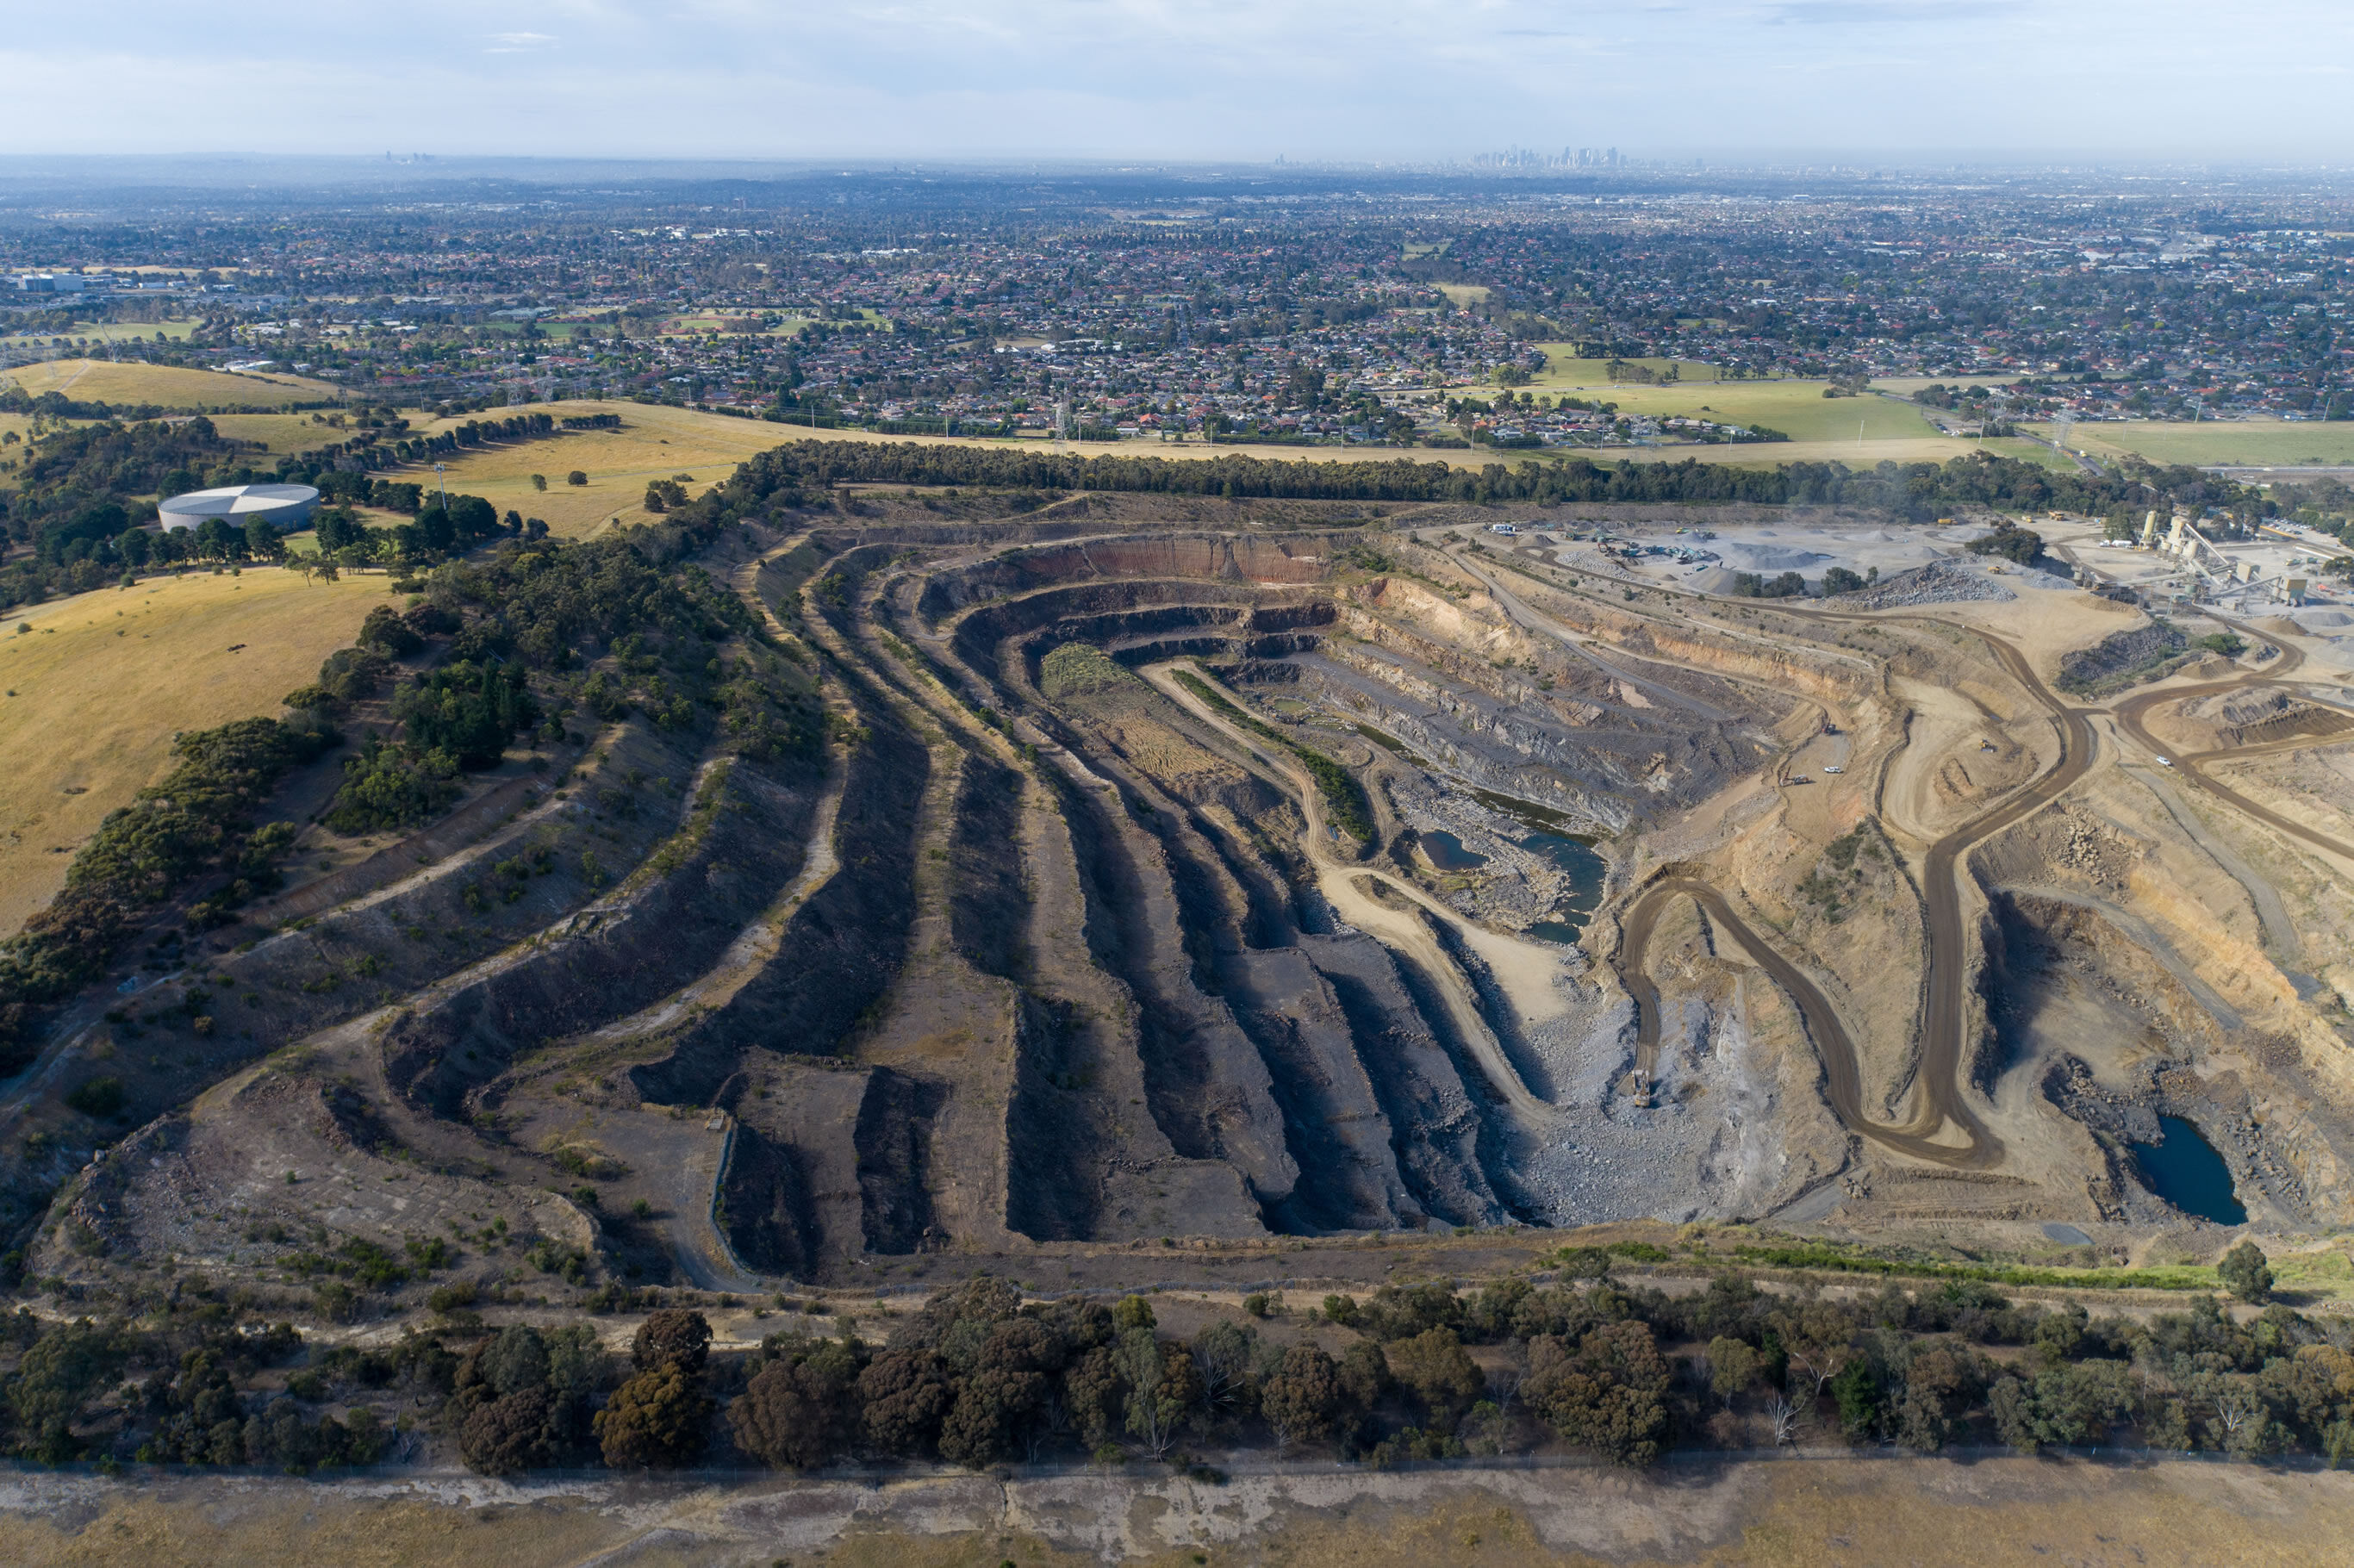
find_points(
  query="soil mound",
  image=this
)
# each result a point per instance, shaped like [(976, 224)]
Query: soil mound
[(1939, 582)]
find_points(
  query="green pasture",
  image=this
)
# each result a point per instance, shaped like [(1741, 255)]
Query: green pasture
[(2283, 443), (110, 332), (1796, 409), (1565, 371)]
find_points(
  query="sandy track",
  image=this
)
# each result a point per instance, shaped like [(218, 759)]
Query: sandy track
[(2130, 716), (1942, 1104)]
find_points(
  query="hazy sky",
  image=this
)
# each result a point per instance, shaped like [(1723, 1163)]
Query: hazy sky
[(1224, 78)]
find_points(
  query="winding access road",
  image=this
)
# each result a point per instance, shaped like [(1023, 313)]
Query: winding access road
[(2131, 713), (1941, 1103), (1945, 1027), (1337, 879)]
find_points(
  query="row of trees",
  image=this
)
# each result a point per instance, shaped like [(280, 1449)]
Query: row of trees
[(197, 819), (1916, 492), (980, 1377)]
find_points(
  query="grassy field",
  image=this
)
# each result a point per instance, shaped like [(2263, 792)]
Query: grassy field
[(708, 320), (111, 331), (280, 433), (2268, 442), (660, 442), (655, 443), (1565, 372), (99, 380), (1904, 449), (1829, 1509), (1905, 385), (99, 685), (1796, 409)]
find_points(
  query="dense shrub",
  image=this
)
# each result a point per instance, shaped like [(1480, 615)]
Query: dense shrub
[(672, 1335), (1607, 1393), (389, 786), (794, 1414), (659, 1419), (2009, 541)]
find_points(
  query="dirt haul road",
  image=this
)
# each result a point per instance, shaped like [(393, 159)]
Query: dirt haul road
[(1945, 1029), (2130, 714), (1942, 1104)]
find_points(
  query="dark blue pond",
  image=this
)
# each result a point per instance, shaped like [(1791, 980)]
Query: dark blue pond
[(1446, 851), (2184, 1169), (1585, 871)]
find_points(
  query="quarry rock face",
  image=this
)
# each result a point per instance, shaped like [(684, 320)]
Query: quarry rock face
[(1164, 881)]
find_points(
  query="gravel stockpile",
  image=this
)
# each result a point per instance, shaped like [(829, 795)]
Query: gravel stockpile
[(1939, 582)]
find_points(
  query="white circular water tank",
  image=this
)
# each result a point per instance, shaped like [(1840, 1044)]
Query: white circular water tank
[(282, 507)]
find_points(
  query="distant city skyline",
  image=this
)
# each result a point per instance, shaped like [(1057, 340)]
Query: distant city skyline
[(1397, 80)]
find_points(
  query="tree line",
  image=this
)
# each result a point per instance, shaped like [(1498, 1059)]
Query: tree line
[(504, 639), (793, 473), (980, 1377)]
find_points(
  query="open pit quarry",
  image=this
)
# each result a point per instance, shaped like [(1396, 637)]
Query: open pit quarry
[(1217, 874)]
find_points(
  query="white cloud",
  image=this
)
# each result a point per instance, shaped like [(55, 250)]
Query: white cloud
[(1390, 78)]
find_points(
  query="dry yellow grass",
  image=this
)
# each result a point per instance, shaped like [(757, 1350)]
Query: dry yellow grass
[(2277, 443), (101, 681), (114, 332), (1848, 1512), (660, 442), (656, 443), (1855, 454), (166, 385), (280, 433)]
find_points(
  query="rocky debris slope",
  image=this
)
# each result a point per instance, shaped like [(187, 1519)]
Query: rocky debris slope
[(1939, 582)]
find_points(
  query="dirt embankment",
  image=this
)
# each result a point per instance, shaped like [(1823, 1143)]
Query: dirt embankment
[(1114, 615), (841, 948), (1829, 1507), (315, 975), (1285, 560), (2255, 717), (741, 840), (2121, 659), (2164, 1041)]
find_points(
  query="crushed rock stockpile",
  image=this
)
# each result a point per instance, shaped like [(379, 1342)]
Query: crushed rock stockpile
[(2122, 658), (1939, 582)]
